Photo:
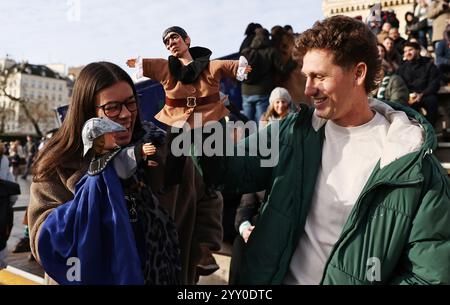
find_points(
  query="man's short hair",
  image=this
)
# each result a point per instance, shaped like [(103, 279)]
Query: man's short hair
[(412, 44), (350, 41)]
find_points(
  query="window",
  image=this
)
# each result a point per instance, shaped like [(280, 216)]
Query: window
[(46, 85)]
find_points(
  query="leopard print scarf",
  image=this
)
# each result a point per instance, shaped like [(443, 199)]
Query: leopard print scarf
[(162, 264)]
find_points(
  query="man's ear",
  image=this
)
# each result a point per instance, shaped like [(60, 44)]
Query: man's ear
[(360, 73), (187, 40)]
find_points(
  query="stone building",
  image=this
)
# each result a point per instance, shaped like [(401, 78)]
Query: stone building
[(43, 91), (355, 8)]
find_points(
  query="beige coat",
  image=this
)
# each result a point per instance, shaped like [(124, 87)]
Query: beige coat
[(197, 221), (207, 84), (441, 17)]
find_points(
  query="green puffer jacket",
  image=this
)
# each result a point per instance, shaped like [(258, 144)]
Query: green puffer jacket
[(398, 231)]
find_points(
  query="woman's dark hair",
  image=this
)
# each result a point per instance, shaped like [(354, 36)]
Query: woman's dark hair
[(412, 44), (251, 27), (350, 41), (410, 14), (66, 144)]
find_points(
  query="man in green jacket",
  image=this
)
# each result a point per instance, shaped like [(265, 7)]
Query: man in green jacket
[(356, 196)]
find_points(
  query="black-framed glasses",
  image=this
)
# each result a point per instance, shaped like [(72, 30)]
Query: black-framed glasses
[(113, 109)]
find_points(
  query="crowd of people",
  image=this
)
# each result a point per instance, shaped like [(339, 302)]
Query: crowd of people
[(349, 200), (20, 156), (421, 60)]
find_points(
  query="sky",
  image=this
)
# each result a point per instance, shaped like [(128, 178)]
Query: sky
[(76, 32)]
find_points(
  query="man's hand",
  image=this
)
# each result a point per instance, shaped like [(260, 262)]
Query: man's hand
[(131, 62), (247, 232), (148, 149), (414, 98), (248, 69)]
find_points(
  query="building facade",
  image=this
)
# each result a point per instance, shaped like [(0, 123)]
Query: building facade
[(42, 89), (355, 8)]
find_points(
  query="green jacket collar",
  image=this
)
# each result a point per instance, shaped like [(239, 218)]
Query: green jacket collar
[(410, 139)]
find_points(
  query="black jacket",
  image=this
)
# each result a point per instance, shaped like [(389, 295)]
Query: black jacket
[(421, 76), (268, 63)]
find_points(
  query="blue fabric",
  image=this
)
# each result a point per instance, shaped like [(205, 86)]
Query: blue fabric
[(95, 228)]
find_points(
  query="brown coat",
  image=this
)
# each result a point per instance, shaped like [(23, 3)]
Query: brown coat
[(207, 84), (197, 221)]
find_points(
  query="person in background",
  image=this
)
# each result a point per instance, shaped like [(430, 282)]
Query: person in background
[(423, 80), (384, 32), (267, 64), (23, 245), (411, 27), (30, 151), (439, 12), (442, 53), (15, 158), (294, 81), (424, 26), (392, 55), (392, 87), (250, 33), (280, 106), (8, 196), (399, 41)]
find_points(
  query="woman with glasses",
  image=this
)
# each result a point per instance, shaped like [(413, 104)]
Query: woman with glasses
[(102, 90)]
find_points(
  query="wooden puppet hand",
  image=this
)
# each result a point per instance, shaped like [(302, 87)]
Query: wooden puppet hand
[(247, 232), (148, 149), (131, 62)]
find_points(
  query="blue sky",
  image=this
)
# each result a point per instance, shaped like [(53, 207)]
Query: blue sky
[(76, 32)]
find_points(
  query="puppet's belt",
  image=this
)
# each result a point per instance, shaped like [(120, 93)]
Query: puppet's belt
[(192, 101)]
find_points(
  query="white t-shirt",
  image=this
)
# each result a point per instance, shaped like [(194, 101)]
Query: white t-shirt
[(348, 159)]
